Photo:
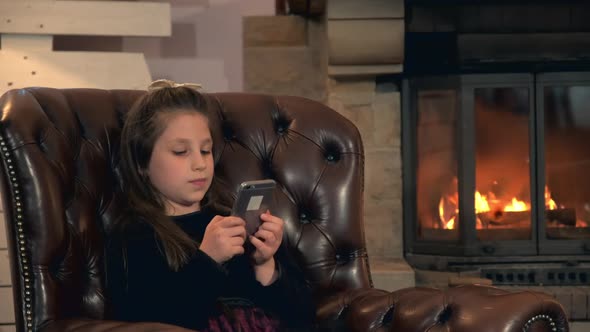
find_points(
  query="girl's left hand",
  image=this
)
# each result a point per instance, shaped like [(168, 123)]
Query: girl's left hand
[(267, 239)]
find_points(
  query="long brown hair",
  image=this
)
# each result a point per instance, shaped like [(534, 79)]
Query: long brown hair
[(143, 125)]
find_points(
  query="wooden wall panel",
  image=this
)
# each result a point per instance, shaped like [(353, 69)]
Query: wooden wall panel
[(105, 18)]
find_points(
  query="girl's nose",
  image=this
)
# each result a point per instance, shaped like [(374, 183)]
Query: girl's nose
[(198, 163)]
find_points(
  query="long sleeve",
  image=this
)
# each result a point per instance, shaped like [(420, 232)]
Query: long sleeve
[(150, 291), (289, 297)]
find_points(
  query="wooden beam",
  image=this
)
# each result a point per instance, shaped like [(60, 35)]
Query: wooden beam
[(345, 9), (26, 42), (105, 18), (365, 38), (366, 41), (103, 70), (364, 70)]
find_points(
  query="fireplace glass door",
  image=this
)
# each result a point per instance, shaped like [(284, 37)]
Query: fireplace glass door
[(438, 205), (500, 165), (502, 198), (565, 103)]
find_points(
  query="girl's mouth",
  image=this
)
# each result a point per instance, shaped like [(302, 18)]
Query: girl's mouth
[(199, 182)]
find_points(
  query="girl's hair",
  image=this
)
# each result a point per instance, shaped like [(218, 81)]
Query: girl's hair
[(144, 124)]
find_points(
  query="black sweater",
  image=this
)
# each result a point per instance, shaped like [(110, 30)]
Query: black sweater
[(146, 289)]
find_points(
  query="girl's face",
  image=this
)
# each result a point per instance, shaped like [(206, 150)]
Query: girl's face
[(181, 165)]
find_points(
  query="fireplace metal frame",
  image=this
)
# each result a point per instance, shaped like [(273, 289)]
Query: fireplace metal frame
[(469, 249)]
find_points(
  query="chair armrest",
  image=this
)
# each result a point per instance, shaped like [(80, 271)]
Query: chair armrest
[(355, 310), (462, 308), (476, 308), (80, 325)]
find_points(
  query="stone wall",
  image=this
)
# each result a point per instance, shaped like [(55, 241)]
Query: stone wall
[(375, 110), (285, 55)]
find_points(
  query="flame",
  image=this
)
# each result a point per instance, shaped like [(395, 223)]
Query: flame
[(451, 223), (482, 204), (516, 205), (549, 202)]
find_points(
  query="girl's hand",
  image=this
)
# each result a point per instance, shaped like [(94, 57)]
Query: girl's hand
[(266, 242), (224, 238), (267, 239)]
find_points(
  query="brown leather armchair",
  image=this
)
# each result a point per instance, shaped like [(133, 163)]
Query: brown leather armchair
[(61, 194)]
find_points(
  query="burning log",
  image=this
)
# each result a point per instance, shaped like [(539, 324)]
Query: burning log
[(566, 217), (504, 218)]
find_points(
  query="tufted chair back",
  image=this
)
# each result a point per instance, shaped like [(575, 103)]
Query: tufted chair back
[(60, 186)]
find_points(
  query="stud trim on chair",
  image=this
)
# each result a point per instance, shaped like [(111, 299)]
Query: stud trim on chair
[(21, 245)]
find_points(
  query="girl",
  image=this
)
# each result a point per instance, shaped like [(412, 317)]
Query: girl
[(176, 257)]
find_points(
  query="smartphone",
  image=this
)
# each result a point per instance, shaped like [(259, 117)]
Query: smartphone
[(254, 198)]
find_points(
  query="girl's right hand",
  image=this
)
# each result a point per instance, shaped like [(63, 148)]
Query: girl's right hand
[(224, 238)]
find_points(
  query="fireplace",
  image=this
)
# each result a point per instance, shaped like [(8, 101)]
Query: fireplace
[(496, 158)]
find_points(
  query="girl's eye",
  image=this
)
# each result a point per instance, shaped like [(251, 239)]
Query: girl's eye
[(205, 151), (180, 152)]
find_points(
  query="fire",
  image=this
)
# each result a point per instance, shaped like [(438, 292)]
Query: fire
[(516, 205), (549, 202), (482, 204)]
